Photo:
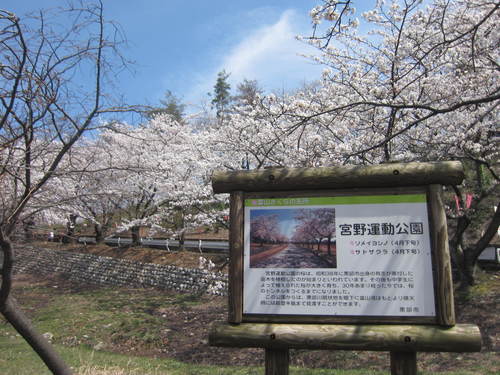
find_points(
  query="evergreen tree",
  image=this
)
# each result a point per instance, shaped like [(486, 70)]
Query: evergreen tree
[(221, 94), (170, 105)]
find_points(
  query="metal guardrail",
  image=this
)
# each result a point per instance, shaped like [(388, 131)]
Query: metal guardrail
[(220, 246)]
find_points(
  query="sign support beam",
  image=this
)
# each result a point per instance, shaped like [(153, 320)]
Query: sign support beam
[(371, 337)]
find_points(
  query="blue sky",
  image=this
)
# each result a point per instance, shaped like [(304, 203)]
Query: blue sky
[(181, 45)]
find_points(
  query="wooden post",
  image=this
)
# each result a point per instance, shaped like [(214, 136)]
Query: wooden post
[(403, 363), (444, 285), (277, 361), (235, 295)]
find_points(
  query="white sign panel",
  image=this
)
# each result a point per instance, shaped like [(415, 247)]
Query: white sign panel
[(364, 255)]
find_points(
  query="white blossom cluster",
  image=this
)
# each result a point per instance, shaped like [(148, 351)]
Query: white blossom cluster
[(421, 85)]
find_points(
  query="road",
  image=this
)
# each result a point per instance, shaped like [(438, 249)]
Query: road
[(293, 257), (220, 246)]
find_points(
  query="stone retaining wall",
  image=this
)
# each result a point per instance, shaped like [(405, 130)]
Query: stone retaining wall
[(89, 268)]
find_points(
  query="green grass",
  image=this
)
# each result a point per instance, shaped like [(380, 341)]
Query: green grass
[(107, 316), (115, 318), (17, 358)]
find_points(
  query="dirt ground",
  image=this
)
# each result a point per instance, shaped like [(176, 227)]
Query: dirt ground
[(186, 326)]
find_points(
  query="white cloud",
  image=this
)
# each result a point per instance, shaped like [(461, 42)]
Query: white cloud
[(269, 54), (263, 48)]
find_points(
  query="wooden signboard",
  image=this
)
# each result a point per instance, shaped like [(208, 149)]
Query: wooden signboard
[(361, 252), (340, 245)]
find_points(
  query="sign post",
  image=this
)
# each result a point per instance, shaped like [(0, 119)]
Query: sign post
[(341, 258)]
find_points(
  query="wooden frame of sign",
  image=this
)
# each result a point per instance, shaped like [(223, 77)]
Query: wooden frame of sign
[(312, 188)]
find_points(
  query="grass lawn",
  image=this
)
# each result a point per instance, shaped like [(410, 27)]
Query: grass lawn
[(17, 358), (116, 331)]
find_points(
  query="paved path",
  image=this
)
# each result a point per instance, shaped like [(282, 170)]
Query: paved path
[(293, 257)]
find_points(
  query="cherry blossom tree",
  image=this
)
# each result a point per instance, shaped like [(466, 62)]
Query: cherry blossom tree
[(318, 224), (160, 176), (45, 111), (155, 175), (420, 85), (90, 191), (265, 229)]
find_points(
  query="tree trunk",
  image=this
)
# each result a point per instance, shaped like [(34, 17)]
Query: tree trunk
[(28, 227), (70, 229), (467, 272), (136, 238), (99, 237), (182, 238), (466, 259), (40, 345), (12, 313)]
